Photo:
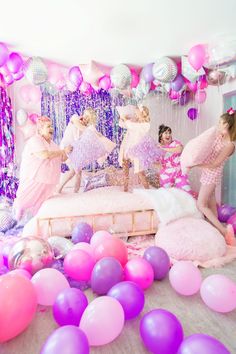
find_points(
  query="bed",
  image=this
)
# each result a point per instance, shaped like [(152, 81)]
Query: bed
[(108, 208)]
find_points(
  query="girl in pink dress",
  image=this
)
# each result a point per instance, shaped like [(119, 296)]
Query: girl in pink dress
[(39, 171), (136, 131), (212, 171), (170, 173), (89, 145)]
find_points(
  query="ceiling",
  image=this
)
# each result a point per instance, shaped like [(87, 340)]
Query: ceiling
[(74, 32)]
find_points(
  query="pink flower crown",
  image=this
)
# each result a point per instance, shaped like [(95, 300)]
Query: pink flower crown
[(231, 111)]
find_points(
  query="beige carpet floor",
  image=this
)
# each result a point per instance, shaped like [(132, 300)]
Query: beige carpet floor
[(191, 311)]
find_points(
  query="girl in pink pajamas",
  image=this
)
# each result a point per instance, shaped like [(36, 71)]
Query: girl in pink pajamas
[(170, 173), (212, 171)]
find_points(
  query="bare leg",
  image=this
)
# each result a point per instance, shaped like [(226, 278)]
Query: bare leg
[(77, 181), (143, 179), (125, 167), (207, 205), (68, 176)]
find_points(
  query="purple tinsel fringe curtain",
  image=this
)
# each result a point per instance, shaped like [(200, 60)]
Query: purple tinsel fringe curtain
[(62, 105), (8, 181)]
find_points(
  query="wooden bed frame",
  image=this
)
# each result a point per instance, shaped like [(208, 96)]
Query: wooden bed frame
[(92, 220)]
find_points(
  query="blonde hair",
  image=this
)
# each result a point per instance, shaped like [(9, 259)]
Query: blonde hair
[(145, 113), (230, 119), (92, 115), (41, 121)]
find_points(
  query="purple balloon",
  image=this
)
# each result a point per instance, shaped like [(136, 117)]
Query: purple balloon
[(184, 98), (14, 63), (232, 221), (130, 296), (202, 344), (192, 113), (106, 273), (178, 83), (3, 54), (159, 260), (161, 332), (146, 73), (75, 76), (69, 307), (82, 232), (225, 211), (69, 339)]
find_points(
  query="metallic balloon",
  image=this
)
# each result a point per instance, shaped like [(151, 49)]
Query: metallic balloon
[(165, 69), (216, 77), (36, 71), (6, 220), (31, 254), (60, 246), (121, 76)]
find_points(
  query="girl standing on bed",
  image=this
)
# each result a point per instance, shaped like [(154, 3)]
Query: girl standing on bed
[(136, 130), (170, 174), (77, 128), (212, 171)]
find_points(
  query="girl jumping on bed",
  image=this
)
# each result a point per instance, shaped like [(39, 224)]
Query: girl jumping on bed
[(212, 171), (170, 174), (84, 128), (136, 130)]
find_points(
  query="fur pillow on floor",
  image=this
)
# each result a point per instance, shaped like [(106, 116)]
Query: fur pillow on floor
[(191, 239)]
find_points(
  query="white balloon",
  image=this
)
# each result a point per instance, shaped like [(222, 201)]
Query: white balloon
[(21, 116)]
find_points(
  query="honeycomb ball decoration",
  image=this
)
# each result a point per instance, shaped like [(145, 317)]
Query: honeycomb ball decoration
[(121, 77), (31, 254), (36, 71)]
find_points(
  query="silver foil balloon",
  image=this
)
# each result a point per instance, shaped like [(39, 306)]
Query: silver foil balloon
[(60, 246), (31, 254), (121, 76), (6, 220), (49, 88), (216, 77), (141, 90), (164, 69), (36, 71)]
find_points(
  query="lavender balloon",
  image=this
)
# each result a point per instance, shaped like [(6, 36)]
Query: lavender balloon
[(177, 83), (232, 221), (202, 344), (106, 273), (82, 232), (69, 339), (130, 296), (69, 307), (225, 211), (147, 74), (184, 98), (192, 113), (75, 76), (159, 260), (161, 332)]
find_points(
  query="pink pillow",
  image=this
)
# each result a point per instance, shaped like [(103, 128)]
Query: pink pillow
[(198, 149)]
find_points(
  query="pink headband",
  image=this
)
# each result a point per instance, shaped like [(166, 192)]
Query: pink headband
[(231, 111)]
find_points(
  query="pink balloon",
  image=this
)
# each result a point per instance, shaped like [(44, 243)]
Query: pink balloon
[(197, 56), (24, 93), (3, 54), (18, 305), (54, 73), (33, 117), (219, 293), (78, 265), (192, 86), (140, 272), (22, 273), (35, 94), (9, 79), (19, 75), (14, 62), (102, 320), (86, 247), (86, 88), (135, 78), (48, 283), (75, 76), (185, 278), (98, 237), (104, 82), (200, 96), (174, 95), (112, 247), (203, 83)]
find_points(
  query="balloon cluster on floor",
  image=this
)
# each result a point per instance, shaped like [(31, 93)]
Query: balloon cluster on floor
[(227, 214), (53, 272)]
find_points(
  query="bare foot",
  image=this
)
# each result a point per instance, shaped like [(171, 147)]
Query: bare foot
[(229, 236)]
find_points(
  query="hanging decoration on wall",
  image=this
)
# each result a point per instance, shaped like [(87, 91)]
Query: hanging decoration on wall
[(8, 181)]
